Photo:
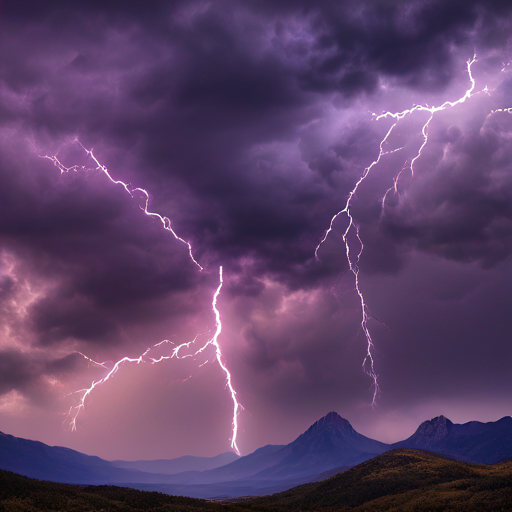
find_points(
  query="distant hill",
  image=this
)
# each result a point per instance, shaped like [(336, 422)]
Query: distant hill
[(484, 443), (38, 460), (178, 465), (58, 464)]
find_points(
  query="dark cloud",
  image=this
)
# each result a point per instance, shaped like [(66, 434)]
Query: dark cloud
[(16, 371), (100, 257), (30, 374), (249, 124), (462, 207), (63, 318)]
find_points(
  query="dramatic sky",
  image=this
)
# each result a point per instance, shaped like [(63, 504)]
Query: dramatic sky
[(249, 123)]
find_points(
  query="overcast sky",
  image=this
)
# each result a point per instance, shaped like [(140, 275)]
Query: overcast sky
[(249, 123)]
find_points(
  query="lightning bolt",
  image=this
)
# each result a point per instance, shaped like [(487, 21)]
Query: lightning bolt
[(424, 130), (368, 364), (166, 222), (74, 411), (145, 357), (509, 110), (218, 353)]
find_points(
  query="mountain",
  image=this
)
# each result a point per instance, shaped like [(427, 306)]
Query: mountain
[(58, 464), (38, 460), (329, 443), (484, 443), (178, 465)]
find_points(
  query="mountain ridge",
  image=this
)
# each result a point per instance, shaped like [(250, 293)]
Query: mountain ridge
[(178, 464), (59, 464), (474, 441)]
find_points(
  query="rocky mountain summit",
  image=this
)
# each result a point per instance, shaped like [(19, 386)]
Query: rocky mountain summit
[(484, 443), (430, 433)]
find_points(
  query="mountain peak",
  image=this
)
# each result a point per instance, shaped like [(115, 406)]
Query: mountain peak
[(432, 431), (331, 419), (334, 417), (440, 422)]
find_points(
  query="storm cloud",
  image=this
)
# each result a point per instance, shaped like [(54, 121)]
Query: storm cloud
[(249, 124)]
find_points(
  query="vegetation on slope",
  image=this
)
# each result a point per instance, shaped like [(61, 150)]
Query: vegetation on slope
[(19, 493), (403, 480)]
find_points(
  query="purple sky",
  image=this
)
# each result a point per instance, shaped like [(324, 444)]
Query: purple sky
[(249, 124)]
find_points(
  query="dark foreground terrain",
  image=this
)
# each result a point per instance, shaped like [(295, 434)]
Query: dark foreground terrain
[(401, 479)]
